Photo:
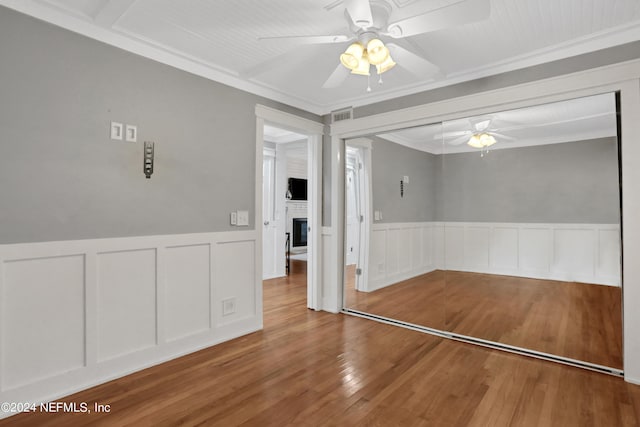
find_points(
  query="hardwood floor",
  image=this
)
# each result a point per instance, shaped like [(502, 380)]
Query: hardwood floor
[(575, 320), (311, 368)]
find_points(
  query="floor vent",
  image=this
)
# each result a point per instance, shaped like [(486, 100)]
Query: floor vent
[(340, 115)]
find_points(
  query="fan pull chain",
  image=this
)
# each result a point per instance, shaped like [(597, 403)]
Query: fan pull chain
[(368, 83), (380, 79)]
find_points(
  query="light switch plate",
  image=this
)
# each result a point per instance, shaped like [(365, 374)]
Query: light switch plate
[(234, 218), (405, 179), (116, 131), (131, 133), (243, 218)]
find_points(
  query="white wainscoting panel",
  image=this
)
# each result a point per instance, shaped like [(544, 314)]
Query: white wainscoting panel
[(126, 302), (233, 277), (78, 313), (588, 253), (378, 255), (534, 251), (476, 247), (454, 247), (329, 290), (400, 251), (394, 246), (503, 252), (187, 290), (43, 322), (566, 252), (574, 254), (608, 264)]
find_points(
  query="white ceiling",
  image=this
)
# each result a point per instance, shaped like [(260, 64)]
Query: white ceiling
[(280, 136), (574, 120), (218, 39)]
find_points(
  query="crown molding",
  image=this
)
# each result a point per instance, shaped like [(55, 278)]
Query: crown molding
[(81, 24), (118, 37)]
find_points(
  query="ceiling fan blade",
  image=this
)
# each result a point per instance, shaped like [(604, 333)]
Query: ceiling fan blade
[(341, 38), (412, 62), (337, 77), (501, 136), (459, 141), (452, 134), (360, 12), (456, 14)]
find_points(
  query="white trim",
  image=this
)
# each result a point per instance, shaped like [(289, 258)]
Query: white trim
[(328, 304), (48, 262), (288, 121), (623, 77), (257, 226), (314, 215), (334, 289), (630, 110), (590, 82)]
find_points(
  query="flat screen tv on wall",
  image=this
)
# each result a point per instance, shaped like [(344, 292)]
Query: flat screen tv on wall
[(298, 188)]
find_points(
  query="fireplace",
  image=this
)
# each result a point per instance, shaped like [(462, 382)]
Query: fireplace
[(299, 232)]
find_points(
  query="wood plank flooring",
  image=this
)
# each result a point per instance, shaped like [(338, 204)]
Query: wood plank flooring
[(311, 368), (576, 320)]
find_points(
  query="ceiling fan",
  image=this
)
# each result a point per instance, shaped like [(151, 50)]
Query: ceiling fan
[(370, 21), (482, 134)]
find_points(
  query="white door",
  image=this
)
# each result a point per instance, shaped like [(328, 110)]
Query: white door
[(353, 211), (269, 241), (357, 210)]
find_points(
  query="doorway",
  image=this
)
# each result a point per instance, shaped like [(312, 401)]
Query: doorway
[(289, 201)]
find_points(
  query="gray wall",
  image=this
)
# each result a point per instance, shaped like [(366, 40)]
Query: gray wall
[(62, 178), (390, 162), (575, 182)]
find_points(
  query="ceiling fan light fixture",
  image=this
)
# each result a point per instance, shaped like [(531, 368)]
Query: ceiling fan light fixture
[(385, 66), (377, 52), (487, 140), (363, 66), (481, 140), (352, 57)]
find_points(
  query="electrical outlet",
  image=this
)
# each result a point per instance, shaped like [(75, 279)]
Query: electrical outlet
[(243, 218), (228, 306), (405, 179), (234, 218)]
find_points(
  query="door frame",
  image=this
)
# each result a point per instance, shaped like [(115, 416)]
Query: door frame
[(315, 131)]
